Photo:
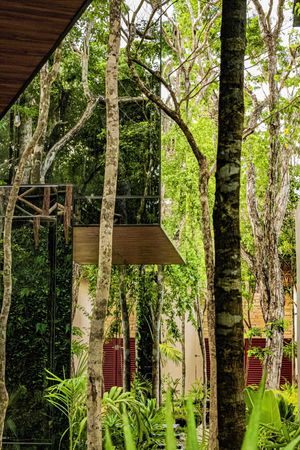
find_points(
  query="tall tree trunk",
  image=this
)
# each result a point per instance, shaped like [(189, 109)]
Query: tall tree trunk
[(211, 313), (183, 363), (229, 313), (125, 331), (144, 333), (47, 76), (175, 115), (156, 336), (200, 327), (96, 341), (266, 226)]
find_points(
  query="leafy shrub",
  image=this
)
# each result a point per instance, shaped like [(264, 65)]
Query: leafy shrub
[(272, 422)]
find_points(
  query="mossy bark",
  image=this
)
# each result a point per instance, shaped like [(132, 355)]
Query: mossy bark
[(229, 314), (97, 331)]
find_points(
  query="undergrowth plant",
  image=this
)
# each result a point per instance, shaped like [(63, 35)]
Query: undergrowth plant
[(170, 442), (271, 423)]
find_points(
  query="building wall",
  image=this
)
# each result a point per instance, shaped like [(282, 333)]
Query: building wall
[(257, 317), (169, 368), (257, 320), (193, 359)]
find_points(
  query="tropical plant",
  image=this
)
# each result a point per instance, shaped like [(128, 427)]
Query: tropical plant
[(271, 421), (169, 441), (69, 397)]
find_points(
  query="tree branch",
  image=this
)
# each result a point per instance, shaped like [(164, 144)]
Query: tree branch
[(252, 203)]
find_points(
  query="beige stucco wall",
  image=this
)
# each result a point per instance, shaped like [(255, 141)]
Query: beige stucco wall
[(83, 310), (193, 359), (169, 369)]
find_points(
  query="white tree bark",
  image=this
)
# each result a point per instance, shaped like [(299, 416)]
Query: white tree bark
[(267, 223)]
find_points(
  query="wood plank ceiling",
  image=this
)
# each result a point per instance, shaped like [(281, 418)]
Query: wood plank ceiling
[(29, 33), (147, 244)]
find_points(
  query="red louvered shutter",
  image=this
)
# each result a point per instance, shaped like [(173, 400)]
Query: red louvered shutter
[(255, 366), (113, 362), (207, 359)]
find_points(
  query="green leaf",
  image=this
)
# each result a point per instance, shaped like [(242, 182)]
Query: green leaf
[(108, 443), (293, 444), (192, 441), (252, 433), (269, 414), (170, 437), (129, 442)]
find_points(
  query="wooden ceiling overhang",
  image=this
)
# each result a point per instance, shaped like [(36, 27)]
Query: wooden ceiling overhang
[(29, 33), (133, 244)]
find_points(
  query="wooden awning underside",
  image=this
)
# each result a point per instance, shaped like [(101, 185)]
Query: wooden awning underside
[(29, 33), (131, 245)]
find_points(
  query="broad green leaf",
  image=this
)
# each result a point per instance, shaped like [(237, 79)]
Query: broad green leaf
[(292, 445), (192, 441), (129, 442), (252, 433), (170, 436)]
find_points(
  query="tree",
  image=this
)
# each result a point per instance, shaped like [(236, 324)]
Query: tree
[(229, 313), (96, 341), (125, 329), (48, 76), (267, 209), (183, 75)]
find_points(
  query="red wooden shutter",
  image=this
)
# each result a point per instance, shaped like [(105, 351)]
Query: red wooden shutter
[(113, 362)]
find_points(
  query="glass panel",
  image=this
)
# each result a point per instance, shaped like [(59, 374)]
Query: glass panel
[(129, 210)]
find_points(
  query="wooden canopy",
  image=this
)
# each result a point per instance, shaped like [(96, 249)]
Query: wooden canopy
[(147, 244), (29, 32)]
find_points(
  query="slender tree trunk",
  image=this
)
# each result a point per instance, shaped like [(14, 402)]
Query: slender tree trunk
[(201, 159), (76, 278), (274, 321), (46, 76), (26, 135), (95, 354), (209, 266), (144, 333), (200, 326), (125, 331), (156, 337), (267, 223), (183, 363), (229, 313)]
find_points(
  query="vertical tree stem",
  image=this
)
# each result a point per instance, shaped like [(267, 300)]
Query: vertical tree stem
[(95, 353), (229, 314)]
